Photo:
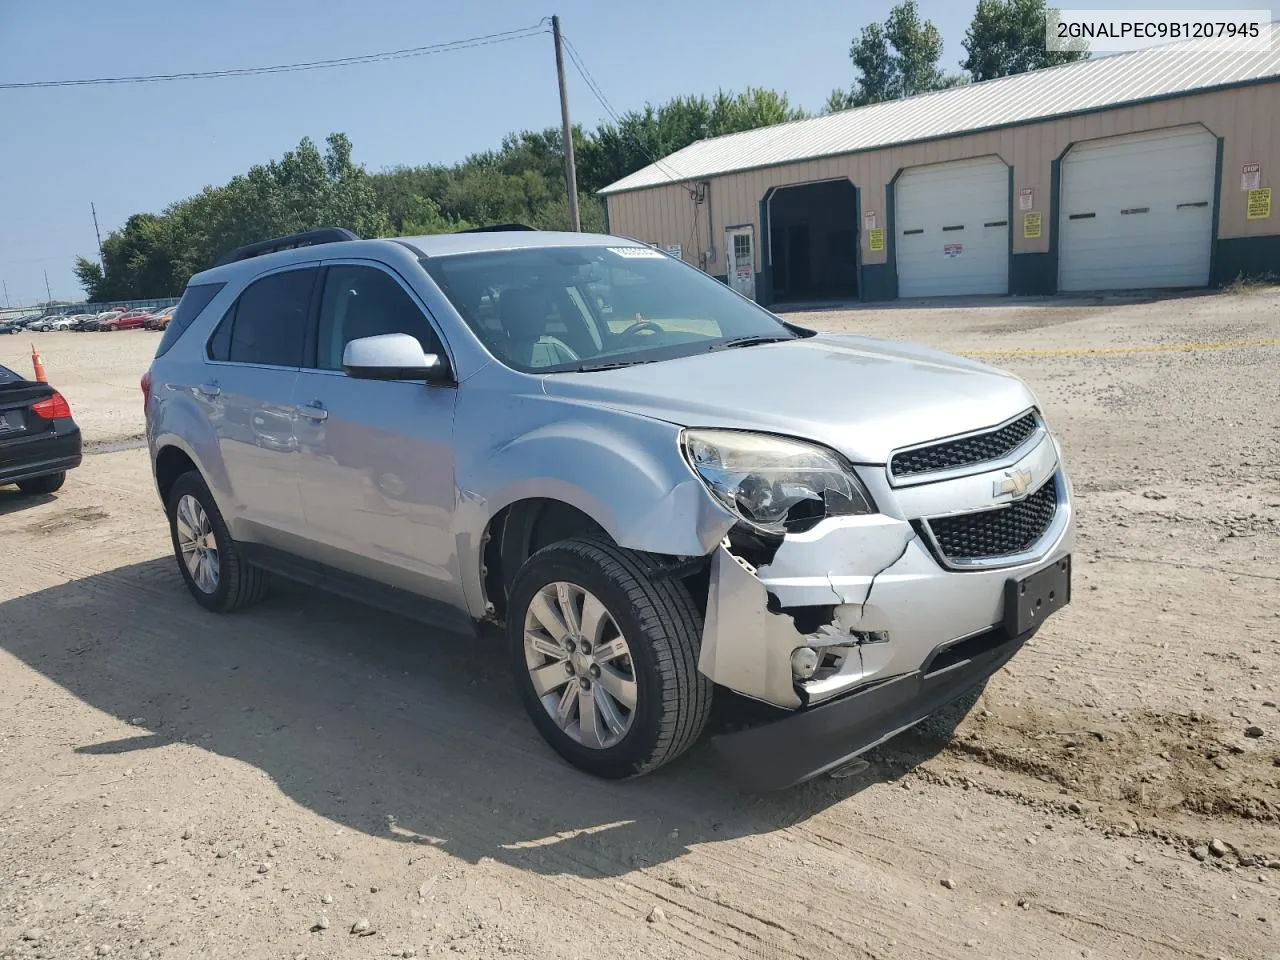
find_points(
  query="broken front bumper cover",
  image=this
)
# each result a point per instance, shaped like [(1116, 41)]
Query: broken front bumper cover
[(808, 743)]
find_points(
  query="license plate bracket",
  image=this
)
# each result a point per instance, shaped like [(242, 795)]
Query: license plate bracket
[(1029, 600), (12, 421)]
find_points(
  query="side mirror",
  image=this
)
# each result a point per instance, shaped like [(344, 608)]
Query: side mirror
[(393, 356)]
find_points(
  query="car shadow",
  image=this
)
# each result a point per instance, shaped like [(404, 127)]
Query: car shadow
[(382, 725), (13, 500)]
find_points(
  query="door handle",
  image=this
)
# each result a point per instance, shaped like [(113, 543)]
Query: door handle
[(312, 411), (209, 389)]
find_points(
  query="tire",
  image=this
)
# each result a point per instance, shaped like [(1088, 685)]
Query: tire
[(49, 483), (238, 583), (660, 624)]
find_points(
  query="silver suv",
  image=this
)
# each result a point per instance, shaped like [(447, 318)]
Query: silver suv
[(663, 491)]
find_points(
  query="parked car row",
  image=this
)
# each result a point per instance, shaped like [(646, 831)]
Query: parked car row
[(109, 320)]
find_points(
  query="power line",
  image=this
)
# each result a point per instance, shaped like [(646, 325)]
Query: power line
[(590, 79), (467, 43), (669, 172), (594, 87)]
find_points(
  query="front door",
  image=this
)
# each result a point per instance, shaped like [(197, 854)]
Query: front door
[(375, 465), (740, 250)]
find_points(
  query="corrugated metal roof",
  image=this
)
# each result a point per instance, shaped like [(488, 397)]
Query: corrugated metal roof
[(1040, 95)]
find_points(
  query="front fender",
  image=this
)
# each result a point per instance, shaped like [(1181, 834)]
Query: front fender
[(624, 471)]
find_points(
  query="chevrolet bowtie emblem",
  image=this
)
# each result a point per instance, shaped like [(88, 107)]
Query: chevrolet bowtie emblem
[(1015, 484)]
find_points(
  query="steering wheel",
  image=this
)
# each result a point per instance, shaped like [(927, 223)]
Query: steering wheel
[(640, 326)]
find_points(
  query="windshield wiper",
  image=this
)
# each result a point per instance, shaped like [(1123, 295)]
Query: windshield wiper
[(748, 341), (614, 365)]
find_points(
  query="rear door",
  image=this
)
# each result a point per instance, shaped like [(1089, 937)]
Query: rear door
[(254, 356), (375, 464)]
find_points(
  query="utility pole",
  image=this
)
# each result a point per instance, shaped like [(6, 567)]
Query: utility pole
[(47, 291), (570, 171), (6, 294), (101, 259)]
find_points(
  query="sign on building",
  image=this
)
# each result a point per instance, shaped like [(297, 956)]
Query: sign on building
[(1026, 198), (1250, 176), (1260, 204), (875, 239), (1031, 225)]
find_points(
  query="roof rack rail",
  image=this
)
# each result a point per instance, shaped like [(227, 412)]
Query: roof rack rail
[(499, 228), (308, 238)]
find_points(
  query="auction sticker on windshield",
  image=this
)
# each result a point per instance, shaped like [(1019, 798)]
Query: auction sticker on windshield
[(637, 253)]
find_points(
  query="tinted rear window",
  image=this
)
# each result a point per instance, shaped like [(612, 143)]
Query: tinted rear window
[(8, 376), (194, 300), (270, 320)]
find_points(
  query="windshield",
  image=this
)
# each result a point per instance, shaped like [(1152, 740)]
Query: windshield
[(558, 309)]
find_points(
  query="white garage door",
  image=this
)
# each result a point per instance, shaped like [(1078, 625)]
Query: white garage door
[(952, 227), (1137, 211)]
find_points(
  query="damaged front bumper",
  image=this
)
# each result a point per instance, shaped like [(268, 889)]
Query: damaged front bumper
[(881, 620), (811, 742)]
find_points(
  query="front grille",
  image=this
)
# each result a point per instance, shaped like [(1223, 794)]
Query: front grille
[(997, 533), (979, 448)]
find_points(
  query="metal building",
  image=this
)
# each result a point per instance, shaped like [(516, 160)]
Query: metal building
[(1143, 170)]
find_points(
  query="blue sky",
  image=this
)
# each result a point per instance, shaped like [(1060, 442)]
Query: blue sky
[(137, 147)]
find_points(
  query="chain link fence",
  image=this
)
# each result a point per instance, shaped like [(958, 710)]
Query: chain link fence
[(67, 309)]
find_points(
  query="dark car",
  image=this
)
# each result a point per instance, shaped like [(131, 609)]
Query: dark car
[(10, 326), (39, 440), (160, 319)]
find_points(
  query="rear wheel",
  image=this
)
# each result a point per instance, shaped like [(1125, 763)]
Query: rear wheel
[(215, 572), (604, 650), (49, 483)]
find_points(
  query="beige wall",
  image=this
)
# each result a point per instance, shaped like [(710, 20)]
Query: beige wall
[(1247, 117)]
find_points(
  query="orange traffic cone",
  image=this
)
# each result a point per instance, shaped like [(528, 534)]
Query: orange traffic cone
[(41, 376)]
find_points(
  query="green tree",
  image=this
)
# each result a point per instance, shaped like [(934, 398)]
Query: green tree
[(401, 191), (89, 276), (898, 58), (838, 100), (521, 181), (752, 108), (424, 218), (643, 136), (1008, 36), (154, 256), (137, 260)]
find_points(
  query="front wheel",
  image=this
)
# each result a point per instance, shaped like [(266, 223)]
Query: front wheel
[(604, 650)]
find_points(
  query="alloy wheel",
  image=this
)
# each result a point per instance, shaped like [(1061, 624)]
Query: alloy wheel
[(580, 664), (198, 544)]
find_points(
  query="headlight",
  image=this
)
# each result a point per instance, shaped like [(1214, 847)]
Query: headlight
[(773, 484)]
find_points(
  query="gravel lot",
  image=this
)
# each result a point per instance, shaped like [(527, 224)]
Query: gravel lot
[(174, 784)]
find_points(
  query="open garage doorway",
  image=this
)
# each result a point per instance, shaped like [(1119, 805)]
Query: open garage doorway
[(813, 242)]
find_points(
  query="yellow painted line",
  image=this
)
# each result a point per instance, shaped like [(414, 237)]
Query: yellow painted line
[(1151, 348)]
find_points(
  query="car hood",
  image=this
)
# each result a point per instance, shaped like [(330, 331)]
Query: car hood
[(862, 397)]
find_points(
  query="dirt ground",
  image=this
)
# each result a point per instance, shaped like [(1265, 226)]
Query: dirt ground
[(174, 784)]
